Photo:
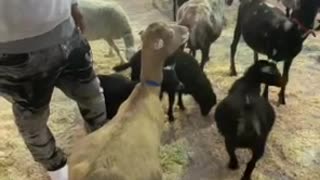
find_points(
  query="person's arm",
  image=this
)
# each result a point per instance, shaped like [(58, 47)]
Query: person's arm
[(77, 16)]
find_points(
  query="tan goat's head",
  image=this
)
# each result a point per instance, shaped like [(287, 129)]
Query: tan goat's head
[(163, 38)]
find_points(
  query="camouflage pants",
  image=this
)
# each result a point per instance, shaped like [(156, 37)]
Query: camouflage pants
[(27, 81)]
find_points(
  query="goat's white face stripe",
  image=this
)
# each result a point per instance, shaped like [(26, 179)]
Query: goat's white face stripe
[(287, 26), (266, 69), (274, 52), (268, 4), (169, 67), (158, 44)]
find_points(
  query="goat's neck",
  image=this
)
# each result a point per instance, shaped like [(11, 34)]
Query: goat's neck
[(151, 67), (252, 85)]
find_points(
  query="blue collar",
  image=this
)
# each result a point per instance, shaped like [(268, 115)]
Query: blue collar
[(152, 83)]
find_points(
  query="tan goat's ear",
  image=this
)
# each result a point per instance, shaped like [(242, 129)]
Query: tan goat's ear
[(141, 32), (158, 44)]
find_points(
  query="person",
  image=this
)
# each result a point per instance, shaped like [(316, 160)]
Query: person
[(41, 47)]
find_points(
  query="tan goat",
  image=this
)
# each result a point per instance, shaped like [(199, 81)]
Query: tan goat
[(128, 147)]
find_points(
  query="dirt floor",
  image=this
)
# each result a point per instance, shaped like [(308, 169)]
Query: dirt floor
[(193, 148)]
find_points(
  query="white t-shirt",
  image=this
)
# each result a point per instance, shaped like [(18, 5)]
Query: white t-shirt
[(21, 19)]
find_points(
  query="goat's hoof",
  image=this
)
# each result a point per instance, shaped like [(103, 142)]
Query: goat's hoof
[(233, 73), (281, 101), (245, 178), (182, 108), (121, 63), (109, 55), (233, 165), (171, 119)]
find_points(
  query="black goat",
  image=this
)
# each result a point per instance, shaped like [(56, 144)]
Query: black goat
[(188, 72), (245, 118), (116, 89), (176, 5), (267, 30)]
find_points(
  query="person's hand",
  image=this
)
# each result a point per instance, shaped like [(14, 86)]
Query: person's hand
[(77, 17)]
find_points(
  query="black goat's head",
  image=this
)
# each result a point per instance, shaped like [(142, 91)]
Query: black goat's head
[(229, 2), (265, 72), (206, 98), (306, 13)]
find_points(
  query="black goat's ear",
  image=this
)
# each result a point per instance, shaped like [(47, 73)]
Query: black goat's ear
[(317, 27)]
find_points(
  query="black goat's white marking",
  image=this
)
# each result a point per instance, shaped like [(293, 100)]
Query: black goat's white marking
[(256, 126), (267, 70), (287, 26), (268, 4), (241, 127), (274, 52), (169, 67)]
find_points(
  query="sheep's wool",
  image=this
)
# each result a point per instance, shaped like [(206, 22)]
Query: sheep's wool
[(21, 19)]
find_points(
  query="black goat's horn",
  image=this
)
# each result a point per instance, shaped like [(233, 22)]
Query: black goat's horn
[(306, 34)]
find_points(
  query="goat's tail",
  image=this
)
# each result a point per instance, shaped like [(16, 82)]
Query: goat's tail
[(249, 124), (122, 67)]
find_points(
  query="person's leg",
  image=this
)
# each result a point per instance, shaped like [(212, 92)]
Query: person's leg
[(79, 82), (37, 136), (27, 81)]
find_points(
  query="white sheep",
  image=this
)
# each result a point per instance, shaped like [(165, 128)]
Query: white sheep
[(127, 148), (107, 20)]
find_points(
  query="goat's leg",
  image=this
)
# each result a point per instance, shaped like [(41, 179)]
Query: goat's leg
[(161, 95), (257, 153), (255, 56), (182, 47), (266, 92), (285, 79), (171, 103), (115, 47), (110, 53), (233, 162), (180, 102), (174, 10), (192, 52), (234, 44), (288, 12), (205, 56)]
